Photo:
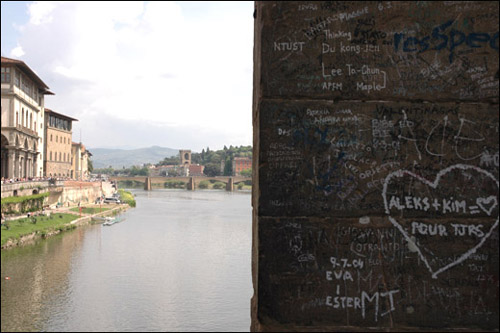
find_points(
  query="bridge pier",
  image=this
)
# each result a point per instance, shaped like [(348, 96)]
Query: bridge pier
[(230, 185), (147, 184), (190, 184)]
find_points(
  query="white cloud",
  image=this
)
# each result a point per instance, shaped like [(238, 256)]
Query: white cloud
[(150, 61), (17, 52), (40, 12)]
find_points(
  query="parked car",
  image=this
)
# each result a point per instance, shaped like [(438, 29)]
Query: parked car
[(112, 200)]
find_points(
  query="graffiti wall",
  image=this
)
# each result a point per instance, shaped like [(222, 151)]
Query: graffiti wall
[(376, 131)]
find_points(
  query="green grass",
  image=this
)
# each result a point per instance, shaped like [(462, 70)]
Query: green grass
[(29, 203), (25, 226), (242, 186), (174, 184), (127, 197), (89, 210)]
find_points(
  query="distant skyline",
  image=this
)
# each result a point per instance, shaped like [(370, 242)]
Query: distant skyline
[(139, 74)]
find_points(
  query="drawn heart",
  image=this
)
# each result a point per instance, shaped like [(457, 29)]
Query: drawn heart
[(486, 204)]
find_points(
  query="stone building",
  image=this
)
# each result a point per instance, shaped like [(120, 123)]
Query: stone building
[(185, 157), (240, 164), (80, 157), (58, 133), (196, 170), (22, 136)]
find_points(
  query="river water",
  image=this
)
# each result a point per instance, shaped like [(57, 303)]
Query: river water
[(180, 261)]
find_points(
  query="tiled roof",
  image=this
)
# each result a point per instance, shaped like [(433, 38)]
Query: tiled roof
[(28, 71), (47, 110)]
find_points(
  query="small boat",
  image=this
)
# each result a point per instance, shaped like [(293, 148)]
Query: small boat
[(111, 220), (100, 219)]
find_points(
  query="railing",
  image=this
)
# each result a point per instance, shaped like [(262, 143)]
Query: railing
[(22, 129), (31, 184)]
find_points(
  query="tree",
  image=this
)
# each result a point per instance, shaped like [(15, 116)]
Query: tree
[(90, 166), (246, 173), (228, 168), (212, 170)]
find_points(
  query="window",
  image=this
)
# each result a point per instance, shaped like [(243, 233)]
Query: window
[(50, 156), (17, 78), (5, 74), (51, 138), (22, 118), (57, 138), (17, 117)]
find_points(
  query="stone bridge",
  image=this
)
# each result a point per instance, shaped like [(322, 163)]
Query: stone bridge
[(192, 182)]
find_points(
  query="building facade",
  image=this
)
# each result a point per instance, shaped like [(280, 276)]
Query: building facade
[(185, 156), (240, 164), (80, 157), (169, 171), (22, 140), (58, 153), (196, 170)]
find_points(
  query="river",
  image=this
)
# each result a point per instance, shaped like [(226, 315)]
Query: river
[(180, 261)]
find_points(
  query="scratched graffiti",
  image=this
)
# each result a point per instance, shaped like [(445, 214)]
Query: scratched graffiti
[(377, 200), (323, 157), (359, 51)]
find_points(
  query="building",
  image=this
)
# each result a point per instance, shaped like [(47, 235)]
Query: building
[(22, 140), (58, 153), (185, 157), (169, 171), (240, 164), (196, 170), (79, 161)]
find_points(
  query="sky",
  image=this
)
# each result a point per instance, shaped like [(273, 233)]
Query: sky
[(138, 74)]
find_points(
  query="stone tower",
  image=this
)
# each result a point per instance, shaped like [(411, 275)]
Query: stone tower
[(185, 157)]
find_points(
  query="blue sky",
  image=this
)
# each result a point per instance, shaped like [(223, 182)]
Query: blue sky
[(137, 74)]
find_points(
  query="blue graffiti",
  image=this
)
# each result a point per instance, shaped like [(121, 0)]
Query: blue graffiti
[(440, 39)]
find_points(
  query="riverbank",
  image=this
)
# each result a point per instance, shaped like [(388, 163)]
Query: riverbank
[(27, 230)]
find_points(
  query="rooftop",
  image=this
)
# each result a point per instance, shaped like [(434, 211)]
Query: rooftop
[(28, 71), (47, 110)]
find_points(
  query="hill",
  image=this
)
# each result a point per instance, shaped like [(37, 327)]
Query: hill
[(118, 158)]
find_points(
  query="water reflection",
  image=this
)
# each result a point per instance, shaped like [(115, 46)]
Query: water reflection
[(179, 262)]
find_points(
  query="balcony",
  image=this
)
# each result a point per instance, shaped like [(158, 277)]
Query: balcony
[(21, 129)]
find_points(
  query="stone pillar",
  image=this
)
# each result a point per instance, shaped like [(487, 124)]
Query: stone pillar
[(190, 184), (356, 122), (35, 165), (147, 184), (17, 165), (230, 185), (28, 167), (10, 163)]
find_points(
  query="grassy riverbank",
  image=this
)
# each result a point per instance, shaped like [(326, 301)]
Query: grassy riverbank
[(43, 225), (90, 210)]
